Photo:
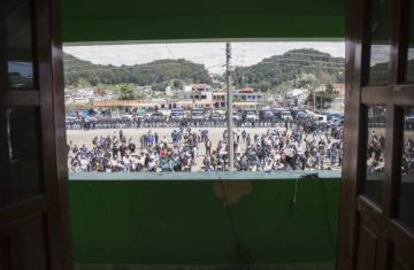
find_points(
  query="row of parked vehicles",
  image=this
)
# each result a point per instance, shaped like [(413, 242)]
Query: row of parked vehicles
[(268, 114)]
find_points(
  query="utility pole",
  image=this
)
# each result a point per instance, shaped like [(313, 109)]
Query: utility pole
[(314, 100), (229, 108), (321, 102)]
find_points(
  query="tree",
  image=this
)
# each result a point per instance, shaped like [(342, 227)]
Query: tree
[(159, 87), (280, 68), (177, 84), (323, 99), (126, 92), (82, 83), (310, 82), (159, 71), (282, 90), (263, 86)]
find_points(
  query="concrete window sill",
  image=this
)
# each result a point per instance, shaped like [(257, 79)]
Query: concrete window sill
[(200, 176)]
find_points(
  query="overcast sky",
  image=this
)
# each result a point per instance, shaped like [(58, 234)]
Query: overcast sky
[(211, 54)]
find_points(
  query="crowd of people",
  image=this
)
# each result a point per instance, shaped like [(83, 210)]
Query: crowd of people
[(282, 149), (125, 123), (376, 154), (407, 163), (299, 145), (117, 154)]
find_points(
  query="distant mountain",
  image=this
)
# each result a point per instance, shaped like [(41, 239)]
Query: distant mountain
[(268, 73), (273, 71), (156, 72)]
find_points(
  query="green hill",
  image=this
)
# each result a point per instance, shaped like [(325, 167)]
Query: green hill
[(153, 73), (273, 71), (267, 74)]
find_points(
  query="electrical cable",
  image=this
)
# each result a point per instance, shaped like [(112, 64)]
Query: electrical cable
[(329, 225), (244, 262)]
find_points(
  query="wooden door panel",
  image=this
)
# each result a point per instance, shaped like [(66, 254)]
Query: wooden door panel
[(379, 18), (27, 239), (400, 259), (377, 224), (367, 249), (402, 240), (400, 265), (21, 173), (4, 252), (370, 214), (18, 44), (24, 244), (33, 188)]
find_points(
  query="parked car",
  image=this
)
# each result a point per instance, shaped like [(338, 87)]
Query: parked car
[(177, 114), (217, 116), (286, 116), (165, 112), (70, 119), (321, 118), (236, 116), (157, 117), (197, 114), (127, 117), (409, 120), (251, 116), (301, 115), (267, 115)]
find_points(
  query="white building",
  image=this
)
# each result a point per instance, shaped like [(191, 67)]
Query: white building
[(248, 94), (296, 97)]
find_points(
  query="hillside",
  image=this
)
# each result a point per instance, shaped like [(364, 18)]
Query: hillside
[(267, 74), (273, 71), (156, 72)]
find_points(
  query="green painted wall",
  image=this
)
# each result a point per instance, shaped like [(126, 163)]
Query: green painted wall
[(185, 222), (123, 20)]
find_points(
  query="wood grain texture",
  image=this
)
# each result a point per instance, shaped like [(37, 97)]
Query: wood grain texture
[(370, 236), (34, 232)]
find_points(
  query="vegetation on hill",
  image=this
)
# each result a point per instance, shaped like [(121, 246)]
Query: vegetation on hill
[(157, 73), (273, 74), (277, 70)]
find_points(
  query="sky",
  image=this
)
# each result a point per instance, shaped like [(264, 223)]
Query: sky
[(211, 54)]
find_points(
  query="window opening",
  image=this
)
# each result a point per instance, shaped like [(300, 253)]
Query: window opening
[(180, 106)]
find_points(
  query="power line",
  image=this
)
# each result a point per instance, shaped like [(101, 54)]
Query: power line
[(297, 60), (168, 49), (172, 55), (229, 108), (142, 67)]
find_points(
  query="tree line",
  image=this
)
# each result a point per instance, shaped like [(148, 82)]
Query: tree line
[(271, 73), (157, 73)]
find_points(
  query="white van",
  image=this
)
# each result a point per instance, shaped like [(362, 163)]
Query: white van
[(320, 118)]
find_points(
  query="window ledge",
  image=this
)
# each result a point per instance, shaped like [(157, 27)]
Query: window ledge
[(200, 176)]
